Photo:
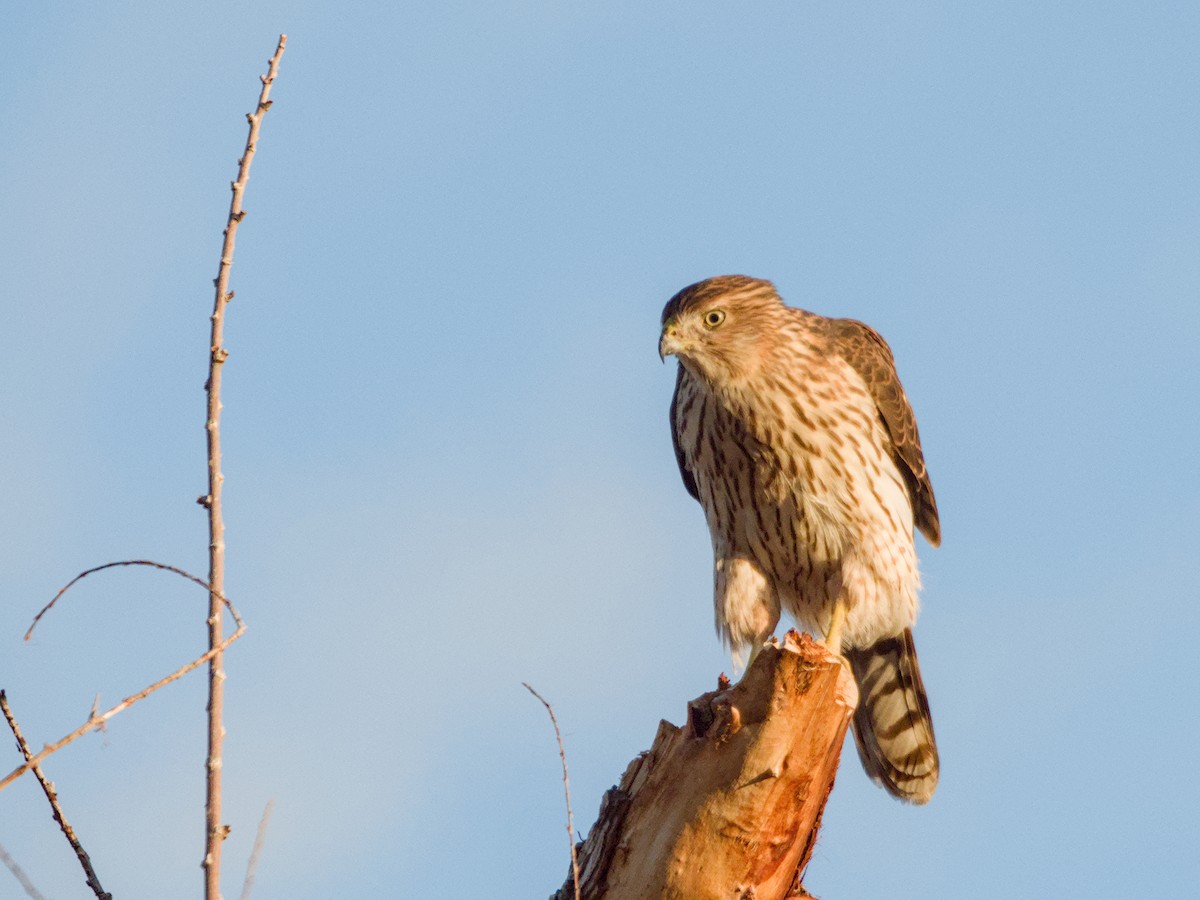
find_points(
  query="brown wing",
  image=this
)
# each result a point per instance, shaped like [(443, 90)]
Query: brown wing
[(871, 357), (688, 481)]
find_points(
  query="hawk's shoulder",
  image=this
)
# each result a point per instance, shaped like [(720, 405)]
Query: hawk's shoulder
[(870, 356)]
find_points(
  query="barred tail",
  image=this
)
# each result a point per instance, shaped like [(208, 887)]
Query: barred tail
[(892, 725)]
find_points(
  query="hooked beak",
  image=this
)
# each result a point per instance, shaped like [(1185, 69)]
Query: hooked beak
[(669, 343)]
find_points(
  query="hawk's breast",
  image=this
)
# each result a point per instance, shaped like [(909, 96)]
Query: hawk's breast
[(793, 472)]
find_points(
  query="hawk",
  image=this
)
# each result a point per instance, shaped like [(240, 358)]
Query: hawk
[(793, 432)]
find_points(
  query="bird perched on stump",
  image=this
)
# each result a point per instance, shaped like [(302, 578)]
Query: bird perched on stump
[(793, 432)]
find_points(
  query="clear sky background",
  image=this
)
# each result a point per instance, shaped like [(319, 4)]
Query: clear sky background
[(447, 457)]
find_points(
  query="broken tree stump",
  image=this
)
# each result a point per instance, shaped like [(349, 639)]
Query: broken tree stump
[(727, 806)]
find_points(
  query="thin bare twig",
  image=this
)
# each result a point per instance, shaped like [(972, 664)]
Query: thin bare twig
[(112, 565), (215, 831), (259, 839), (562, 754), (97, 719), (20, 875), (93, 881)]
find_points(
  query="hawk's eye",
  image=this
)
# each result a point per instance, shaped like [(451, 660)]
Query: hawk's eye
[(714, 317)]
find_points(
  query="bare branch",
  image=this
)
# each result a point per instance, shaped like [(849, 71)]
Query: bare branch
[(93, 880), (562, 754), (259, 840), (96, 719), (215, 831), (128, 562), (20, 875)]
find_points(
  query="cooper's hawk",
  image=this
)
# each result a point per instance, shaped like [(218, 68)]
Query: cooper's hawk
[(793, 432)]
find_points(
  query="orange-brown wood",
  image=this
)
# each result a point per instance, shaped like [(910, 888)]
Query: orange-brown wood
[(727, 806)]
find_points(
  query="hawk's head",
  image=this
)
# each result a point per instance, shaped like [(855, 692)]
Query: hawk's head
[(717, 327)]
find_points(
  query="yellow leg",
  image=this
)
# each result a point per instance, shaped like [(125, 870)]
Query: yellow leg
[(833, 634), (756, 646)]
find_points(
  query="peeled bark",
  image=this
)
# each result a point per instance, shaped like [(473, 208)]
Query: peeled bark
[(729, 805)]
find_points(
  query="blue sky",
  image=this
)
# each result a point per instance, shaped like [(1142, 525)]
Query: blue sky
[(447, 459)]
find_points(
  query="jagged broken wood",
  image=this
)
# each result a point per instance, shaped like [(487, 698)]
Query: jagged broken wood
[(729, 805)]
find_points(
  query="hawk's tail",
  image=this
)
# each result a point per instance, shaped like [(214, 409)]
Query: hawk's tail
[(892, 725)]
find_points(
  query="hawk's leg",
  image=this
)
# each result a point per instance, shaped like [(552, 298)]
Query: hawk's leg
[(837, 623), (755, 646)]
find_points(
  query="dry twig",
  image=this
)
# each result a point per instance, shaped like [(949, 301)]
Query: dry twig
[(562, 754), (48, 788), (97, 719), (113, 565), (259, 838), (215, 831), (19, 874)]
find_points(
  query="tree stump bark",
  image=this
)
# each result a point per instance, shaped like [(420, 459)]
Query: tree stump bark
[(729, 805)]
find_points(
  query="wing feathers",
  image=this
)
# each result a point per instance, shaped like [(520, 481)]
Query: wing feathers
[(689, 480), (869, 355)]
